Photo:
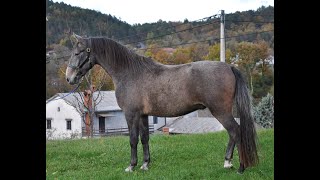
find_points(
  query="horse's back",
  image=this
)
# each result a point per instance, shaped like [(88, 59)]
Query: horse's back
[(212, 81), (213, 73), (215, 67)]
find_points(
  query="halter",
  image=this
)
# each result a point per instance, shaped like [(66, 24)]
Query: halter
[(88, 50)]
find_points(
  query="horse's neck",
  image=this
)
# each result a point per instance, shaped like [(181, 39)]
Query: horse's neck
[(116, 64), (116, 76)]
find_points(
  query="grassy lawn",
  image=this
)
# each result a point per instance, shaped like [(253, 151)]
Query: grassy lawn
[(197, 156)]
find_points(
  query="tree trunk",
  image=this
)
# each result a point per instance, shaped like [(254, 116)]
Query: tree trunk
[(251, 83), (88, 125), (91, 124)]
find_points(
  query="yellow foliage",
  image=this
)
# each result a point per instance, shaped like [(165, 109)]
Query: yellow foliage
[(214, 54), (181, 56), (162, 56)]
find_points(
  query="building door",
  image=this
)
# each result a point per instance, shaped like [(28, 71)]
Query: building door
[(155, 120), (102, 124)]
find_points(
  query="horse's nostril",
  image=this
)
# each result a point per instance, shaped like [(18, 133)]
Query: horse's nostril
[(67, 79)]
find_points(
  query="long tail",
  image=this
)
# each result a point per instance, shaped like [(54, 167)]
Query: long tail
[(248, 136)]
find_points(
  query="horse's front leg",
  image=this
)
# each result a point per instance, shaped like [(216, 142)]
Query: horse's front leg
[(133, 126), (144, 135)]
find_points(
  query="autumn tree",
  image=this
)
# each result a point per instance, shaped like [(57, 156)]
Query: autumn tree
[(197, 51), (158, 54), (181, 56), (162, 56), (152, 50), (249, 56), (214, 54)]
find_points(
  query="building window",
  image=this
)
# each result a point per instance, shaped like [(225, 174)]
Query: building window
[(155, 120), (68, 124), (58, 109), (49, 123)]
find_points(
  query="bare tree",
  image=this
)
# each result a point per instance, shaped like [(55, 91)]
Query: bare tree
[(86, 101)]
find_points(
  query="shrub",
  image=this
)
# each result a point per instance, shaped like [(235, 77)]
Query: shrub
[(264, 112)]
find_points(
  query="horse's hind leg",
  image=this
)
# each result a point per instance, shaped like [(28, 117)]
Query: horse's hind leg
[(133, 126), (229, 153), (233, 130), (144, 135)]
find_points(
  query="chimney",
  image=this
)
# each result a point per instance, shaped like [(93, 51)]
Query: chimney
[(165, 130)]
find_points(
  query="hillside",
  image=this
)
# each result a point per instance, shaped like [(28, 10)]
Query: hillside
[(196, 156), (166, 42), (63, 17)]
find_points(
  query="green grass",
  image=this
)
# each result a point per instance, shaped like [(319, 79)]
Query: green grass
[(197, 156)]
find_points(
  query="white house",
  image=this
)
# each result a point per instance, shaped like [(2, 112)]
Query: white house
[(63, 120)]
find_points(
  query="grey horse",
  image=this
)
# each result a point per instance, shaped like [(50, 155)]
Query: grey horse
[(145, 87)]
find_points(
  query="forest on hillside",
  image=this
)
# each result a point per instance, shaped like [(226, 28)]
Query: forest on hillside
[(249, 42)]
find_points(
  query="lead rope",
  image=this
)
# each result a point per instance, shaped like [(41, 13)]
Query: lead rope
[(67, 94)]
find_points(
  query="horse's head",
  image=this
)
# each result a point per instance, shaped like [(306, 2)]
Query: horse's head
[(81, 60)]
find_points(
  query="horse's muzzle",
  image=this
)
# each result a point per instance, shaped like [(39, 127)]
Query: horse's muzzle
[(71, 76)]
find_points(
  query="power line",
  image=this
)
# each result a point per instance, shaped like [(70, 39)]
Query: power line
[(192, 28), (215, 39), (252, 21), (198, 20), (262, 15), (172, 33), (234, 14), (205, 18), (248, 34)]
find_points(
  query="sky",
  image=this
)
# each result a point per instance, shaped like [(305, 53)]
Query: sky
[(148, 11)]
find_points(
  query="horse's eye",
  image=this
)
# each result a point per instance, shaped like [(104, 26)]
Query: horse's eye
[(80, 45)]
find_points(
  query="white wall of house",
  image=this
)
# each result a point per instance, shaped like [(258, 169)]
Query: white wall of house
[(59, 120), (159, 124), (116, 119), (113, 119)]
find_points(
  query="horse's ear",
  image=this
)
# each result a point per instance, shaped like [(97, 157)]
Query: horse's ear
[(77, 37), (73, 39)]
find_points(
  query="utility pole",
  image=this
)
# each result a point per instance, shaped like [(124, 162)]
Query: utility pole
[(222, 39)]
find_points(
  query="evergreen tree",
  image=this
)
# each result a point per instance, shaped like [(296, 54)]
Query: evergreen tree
[(264, 112)]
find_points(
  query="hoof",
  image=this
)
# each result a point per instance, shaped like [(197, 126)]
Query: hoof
[(238, 172), (241, 169), (144, 167), (227, 164), (129, 169)]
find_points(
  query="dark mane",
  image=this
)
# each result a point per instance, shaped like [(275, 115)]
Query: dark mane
[(119, 56)]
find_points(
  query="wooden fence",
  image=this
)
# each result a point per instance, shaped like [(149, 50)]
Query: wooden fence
[(113, 131)]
